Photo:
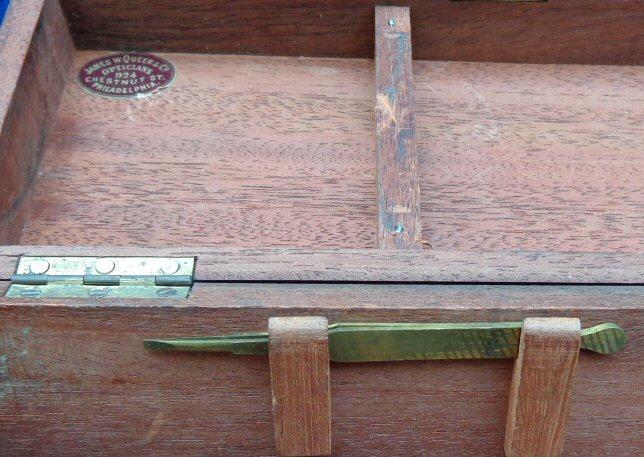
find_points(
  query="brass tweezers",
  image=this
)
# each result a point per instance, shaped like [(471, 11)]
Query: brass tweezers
[(370, 342)]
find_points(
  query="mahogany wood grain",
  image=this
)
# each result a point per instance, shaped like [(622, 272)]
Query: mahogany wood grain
[(77, 381), (256, 152), (542, 385), (556, 31), (12, 223), (396, 158), (365, 265), (35, 56), (300, 386), (258, 155)]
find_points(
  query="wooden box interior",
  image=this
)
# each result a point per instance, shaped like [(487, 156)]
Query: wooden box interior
[(529, 133), (278, 150)]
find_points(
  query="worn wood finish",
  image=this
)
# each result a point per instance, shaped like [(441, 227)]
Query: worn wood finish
[(214, 173), (557, 31), (76, 379), (374, 265), (299, 364), (542, 386), (35, 56), (12, 223), (396, 159), (255, 152)]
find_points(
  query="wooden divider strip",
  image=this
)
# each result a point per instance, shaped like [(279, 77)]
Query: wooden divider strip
[(541, 387), (397, 163), (299, 361)]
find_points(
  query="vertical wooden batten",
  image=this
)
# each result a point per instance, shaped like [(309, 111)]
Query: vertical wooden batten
[(541, 387), (397, 162), (300, 380)]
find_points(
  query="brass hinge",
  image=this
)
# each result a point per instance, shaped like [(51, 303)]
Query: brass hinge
[(97, 277)]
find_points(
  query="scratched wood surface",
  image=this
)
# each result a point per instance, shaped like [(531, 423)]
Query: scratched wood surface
[(76, 379), (300, 385), (257, 151), (396, 158), (363, 265), (563, 31), (542, 387), (35, 56)]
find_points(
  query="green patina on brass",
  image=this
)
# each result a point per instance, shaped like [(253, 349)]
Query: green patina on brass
[(386, 342)]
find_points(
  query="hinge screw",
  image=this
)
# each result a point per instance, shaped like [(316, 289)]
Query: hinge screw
[(170, 267), (104, 266), (166, 292), (39, 267), (30, 293), (98, 293)]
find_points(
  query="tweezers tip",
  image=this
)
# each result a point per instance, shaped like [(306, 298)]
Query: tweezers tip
[(157, 345)]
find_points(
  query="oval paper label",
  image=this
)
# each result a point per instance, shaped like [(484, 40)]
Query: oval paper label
[(128, 74)]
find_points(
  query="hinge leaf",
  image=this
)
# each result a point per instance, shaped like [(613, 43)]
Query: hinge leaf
[(97, 277)]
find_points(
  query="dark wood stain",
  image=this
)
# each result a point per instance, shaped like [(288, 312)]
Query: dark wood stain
[(396, 158), (556, 31)]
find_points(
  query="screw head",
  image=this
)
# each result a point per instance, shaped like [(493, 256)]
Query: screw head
[(170, 267), (98, 292), (392, 22), (39, 266), (166, 292), (104, 266), (398, 229), (30, 293)]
